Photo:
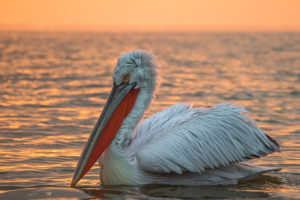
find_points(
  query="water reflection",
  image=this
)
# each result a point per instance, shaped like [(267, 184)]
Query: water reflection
[(200, 192), (248, 189)]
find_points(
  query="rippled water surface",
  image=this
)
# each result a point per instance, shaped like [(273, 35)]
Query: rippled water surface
[(53, 87)]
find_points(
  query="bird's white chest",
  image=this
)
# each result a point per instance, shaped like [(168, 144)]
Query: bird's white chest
[(116, 168)]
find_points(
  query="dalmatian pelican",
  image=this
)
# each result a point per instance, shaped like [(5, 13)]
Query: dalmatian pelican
[(181, 145)]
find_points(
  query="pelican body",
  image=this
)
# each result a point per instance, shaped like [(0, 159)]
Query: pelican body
[(180, 145)]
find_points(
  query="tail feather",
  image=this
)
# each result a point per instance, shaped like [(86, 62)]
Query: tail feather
[(277, 146), (269, 169)]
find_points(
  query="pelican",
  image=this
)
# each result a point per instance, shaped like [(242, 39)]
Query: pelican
[(181, 145)]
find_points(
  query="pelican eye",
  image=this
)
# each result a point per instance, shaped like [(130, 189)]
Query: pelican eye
[(126, 78)]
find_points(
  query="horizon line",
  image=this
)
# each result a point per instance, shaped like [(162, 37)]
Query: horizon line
[(138, 28)]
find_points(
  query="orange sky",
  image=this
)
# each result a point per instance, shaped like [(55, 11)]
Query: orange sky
[(282, 15)]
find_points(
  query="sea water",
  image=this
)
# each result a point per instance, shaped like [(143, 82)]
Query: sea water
[(53, 86)]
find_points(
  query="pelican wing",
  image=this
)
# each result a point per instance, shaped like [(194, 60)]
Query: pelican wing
[(159, 124), (185, 139)]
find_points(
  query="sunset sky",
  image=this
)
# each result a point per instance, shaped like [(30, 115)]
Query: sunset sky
[(242, 15)]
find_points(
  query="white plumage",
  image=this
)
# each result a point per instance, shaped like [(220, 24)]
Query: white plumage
[(180, 145)]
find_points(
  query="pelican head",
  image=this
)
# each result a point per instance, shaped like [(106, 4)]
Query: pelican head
[(134, 82), (139, 67)]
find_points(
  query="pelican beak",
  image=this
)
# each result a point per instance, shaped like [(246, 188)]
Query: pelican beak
[(117, 107)]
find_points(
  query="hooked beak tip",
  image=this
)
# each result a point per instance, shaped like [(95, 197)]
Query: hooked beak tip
[(73, 184)]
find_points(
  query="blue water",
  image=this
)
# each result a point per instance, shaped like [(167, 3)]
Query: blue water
[(53, 86)]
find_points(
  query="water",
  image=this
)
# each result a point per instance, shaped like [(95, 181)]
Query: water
[(53, 87)]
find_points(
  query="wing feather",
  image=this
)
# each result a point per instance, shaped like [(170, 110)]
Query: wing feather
[(159, 124), (205, 138)]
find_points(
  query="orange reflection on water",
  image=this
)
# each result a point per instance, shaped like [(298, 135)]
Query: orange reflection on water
[(290, 192), (48, 112)]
